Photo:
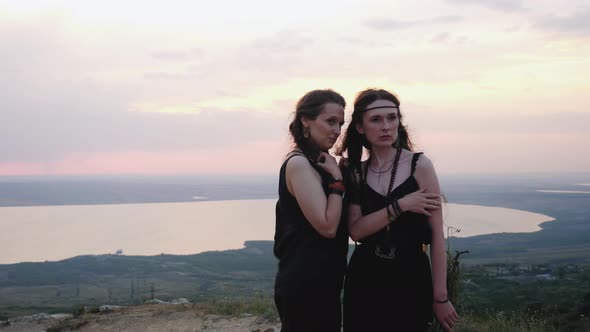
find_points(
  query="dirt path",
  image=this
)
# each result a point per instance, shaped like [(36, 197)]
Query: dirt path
[(151, 317)]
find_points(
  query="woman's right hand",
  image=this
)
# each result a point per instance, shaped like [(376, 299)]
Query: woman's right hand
[(420, 202), (329, 164)]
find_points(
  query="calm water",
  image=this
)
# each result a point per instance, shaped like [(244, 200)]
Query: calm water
[(564, 191), (42, 233)]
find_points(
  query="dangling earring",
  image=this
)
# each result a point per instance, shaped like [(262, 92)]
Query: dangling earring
[(305, 132)]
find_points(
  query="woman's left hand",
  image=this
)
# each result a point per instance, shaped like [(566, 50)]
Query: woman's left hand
[(328, 163), (446, 315)]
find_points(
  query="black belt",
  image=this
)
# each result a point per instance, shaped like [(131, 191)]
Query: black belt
[(389, 250)]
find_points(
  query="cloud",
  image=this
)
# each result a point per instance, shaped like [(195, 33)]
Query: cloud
[(179, 55), (389, 24), (501, 5), (445, 19), (282, 52), (499, 123), (441, 37), (61, 96), (361, 42), (392, 24), (43, 136), (282, 42), (254, 63), (578, 23), (169, 76), (513, 28)]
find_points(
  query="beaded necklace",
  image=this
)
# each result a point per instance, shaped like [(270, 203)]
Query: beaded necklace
[(387, 251)]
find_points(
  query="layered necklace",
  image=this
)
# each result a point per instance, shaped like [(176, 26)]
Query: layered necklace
[(383, 171), (392, 167)]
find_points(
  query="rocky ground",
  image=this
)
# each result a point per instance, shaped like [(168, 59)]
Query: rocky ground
[(143, 318)]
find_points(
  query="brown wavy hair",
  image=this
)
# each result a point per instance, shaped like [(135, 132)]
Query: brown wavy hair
[(309, 107), (354, 142)]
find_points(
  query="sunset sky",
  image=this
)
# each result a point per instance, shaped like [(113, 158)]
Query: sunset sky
[(202, 87)]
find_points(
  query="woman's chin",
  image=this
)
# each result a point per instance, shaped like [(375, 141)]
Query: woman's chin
[(382, 144), (326, 147)]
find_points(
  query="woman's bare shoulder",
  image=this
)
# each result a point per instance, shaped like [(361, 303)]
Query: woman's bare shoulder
[(424, 169), (424, 162), (297, 161)]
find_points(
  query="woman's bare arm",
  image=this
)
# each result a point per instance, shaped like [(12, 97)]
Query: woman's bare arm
[(303, 182), (444, 311)]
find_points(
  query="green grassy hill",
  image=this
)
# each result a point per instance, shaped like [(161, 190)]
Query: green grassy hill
[(234, 281), (27, 288)]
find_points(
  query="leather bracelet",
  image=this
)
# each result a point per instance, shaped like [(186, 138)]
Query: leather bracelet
[(443, 301), (337, 185), (395, 206), (390, 215), (336, 191)]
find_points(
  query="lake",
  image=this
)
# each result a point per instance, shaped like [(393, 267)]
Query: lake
[(40, 233)]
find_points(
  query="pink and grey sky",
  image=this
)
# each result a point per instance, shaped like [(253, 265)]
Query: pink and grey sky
[(179, 86)]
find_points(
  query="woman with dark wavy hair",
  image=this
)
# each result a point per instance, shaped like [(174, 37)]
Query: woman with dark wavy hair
[(310, 242), (394, 212)]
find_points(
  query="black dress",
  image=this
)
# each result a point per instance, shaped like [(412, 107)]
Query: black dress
[(382, 294), (311, 267)]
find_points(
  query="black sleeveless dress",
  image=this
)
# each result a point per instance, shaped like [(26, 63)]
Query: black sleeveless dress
[(382, 294), (311, 267)]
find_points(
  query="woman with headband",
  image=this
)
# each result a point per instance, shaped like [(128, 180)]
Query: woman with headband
[(394, 212)]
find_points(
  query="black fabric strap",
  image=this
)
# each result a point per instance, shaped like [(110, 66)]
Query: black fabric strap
[(323, 173), (415, 160), (294, 153)]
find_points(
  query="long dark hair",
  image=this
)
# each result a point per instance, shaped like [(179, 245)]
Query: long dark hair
[(309, 107), (354, 142)]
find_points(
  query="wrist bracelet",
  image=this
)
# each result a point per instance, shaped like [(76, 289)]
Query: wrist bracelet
[(337, 185), (443, 301), (336, 191), (396, 208), (390, 215)]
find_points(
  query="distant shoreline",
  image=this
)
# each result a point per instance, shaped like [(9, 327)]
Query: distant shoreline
[(147, 189), (474, 220), (58, 232), (564, 191)]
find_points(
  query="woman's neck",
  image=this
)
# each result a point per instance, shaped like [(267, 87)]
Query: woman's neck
[(382, 156)]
